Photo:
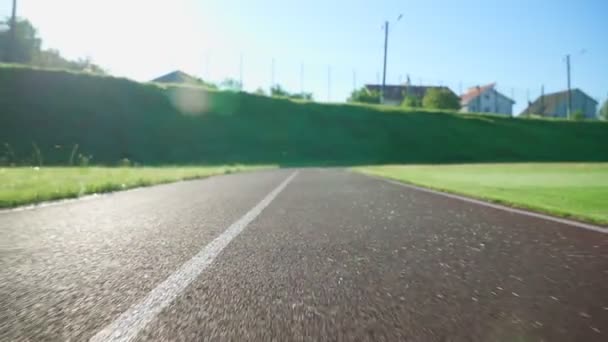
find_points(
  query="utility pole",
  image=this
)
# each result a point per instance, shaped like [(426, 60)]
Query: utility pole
[(302, 78), (478, 99), (528, 100), (241, 71), (386, 27), (385, 52), (329, 83), (207, 71), (542, 99), (272, 75), (569, 89), (354, 79), (11, 51)]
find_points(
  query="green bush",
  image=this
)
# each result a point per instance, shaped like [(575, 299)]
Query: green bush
[(84, 160), (604, 110), (364, 95), (113, 118), (27, 49), (578, 115), (411, 102), (439, 98)]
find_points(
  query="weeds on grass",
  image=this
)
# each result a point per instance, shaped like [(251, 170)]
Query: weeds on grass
[(72, 155), (37, 155)]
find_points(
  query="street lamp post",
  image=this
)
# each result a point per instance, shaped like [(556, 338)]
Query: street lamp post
[(10, 51), (386, 26), (569, 87)]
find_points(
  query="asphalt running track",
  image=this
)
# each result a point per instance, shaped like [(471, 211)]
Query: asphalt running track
[(297, 255)]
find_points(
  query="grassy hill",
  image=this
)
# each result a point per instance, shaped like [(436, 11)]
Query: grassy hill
[(113, 118)]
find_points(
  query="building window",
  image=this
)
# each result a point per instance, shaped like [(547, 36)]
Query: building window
[(486, 109), (486, 96)]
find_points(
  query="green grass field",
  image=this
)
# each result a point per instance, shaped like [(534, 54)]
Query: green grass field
[(26, 185), (112, 118), (573, 190)]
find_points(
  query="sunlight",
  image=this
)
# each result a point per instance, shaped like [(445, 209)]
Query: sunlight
[(189, 100), (137, 38)]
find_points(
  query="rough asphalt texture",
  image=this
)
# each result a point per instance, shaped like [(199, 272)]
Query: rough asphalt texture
[(336, 256)]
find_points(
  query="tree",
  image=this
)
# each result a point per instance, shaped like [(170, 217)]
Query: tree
[(578, 115), (86, 64), (411, 102), (52, 59), (27, 50), (25, 46), (301, 96), (364, 95), (231, 85), (278, 91), (604, 111), (260, 91), (440, 98), (208, 85)]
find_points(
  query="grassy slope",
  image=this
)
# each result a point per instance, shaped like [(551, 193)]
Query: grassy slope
[(570, 190), (25, 185), (113, 118)]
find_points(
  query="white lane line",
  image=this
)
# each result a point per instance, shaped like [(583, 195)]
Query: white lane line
[(497, 206), (131, 322)]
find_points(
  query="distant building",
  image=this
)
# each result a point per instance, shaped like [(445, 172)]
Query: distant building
[(556, 105), (486, 99), (178, 77), (395, 94)]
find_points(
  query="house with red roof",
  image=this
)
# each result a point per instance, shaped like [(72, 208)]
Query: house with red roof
[(486, 99)]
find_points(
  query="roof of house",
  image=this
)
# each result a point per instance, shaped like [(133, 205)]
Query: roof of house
[(474, 92), (398, 92), (177, 76), (547, 104)]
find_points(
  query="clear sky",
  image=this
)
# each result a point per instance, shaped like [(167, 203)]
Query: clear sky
[(520, 44)]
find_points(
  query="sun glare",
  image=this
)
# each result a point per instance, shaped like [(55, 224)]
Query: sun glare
[(132, 36)]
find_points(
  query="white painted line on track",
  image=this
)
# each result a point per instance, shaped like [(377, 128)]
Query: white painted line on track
[(131, 322), (496, 206)]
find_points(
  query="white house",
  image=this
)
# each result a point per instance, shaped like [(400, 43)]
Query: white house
[(486, 99), (556, 105)]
